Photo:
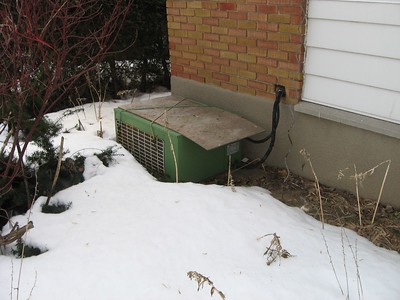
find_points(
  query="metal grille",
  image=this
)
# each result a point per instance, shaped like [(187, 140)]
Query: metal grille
[(147, 149)]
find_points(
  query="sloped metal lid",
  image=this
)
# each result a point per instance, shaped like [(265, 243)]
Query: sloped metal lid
[(210, 127)]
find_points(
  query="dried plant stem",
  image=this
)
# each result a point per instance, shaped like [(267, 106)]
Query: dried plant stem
[(331, 262), (360, 177), (175, 161), (23, 244), (355, 258), (275, 249), (380, 191), (60, 154), (201, 279), (100, 95), (358, 196), (230, 181), (306, 156), (345, 265), (172, 149)]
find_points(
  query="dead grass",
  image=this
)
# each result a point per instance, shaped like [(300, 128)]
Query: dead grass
[(340, 207)]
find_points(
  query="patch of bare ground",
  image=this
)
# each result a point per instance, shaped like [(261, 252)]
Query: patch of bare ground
[(340, 207)]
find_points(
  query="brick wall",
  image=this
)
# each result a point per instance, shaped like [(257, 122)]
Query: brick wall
[(244, 45)]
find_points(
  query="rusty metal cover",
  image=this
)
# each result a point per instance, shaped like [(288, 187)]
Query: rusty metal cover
[(210, 127)]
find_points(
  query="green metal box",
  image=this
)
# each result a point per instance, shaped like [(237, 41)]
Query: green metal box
[(168, 154)]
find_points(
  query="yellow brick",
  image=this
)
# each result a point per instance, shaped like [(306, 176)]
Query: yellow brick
[(204, 44), (257, 51), (228, 54), (190, 56), (259, 69), (187, 12), (219, 30), (194, 35), (278, 72), (246, 24), (247, 74), (238, 81), (180, 33), (228, 23), (195, 49), (209, 5), (247, 58), (202, 13), (279, 37), (205, 73), (204, 58), (179, 4), (219, 46), (290, 28), (228, 39), (194, 4), (194, 20), (229, 70), (275, 18), (290, 47), (277, 54), (203, 28), (238, 64), (181, 47), (243, 41), (197, 64)]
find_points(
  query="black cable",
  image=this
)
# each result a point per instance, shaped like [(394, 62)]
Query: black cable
[(280, 92)]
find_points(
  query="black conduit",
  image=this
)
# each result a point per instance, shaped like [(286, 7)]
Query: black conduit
[(279, 93)]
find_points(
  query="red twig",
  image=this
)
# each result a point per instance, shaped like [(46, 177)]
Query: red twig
[(46, 47)]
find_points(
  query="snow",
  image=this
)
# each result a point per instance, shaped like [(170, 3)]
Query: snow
[(128, 236)]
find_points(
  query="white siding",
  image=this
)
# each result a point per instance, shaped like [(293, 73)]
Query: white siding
[(353, 57)]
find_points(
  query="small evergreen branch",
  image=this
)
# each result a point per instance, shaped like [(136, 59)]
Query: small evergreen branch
[(107, 155), (201, 279)]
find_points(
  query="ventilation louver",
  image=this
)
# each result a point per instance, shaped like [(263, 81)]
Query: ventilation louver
[(147, 149)]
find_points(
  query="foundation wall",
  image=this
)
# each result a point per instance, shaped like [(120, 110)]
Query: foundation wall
[(333, 146)]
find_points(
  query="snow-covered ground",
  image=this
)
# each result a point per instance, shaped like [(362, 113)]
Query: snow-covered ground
[(128, 236)]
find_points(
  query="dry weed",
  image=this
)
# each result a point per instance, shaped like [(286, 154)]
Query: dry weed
[(275, 249), (201, 279)]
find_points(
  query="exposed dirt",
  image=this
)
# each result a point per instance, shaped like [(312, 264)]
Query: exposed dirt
[(340, 207)]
